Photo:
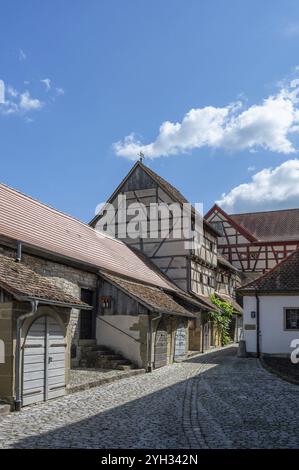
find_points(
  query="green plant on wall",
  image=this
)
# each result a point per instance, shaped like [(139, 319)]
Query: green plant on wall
[(222, 319)]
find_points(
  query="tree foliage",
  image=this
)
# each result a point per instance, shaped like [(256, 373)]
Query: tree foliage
[(222, 319)]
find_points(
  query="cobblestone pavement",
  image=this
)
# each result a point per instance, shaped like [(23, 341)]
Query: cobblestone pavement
[(211, 401), (80, 377)]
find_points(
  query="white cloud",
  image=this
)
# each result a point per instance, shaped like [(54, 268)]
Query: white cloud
[(21, 103), (47, 83), (59, 91), (271, 188), (22, 55), (267, 125), (18, 103), (12, 91), (27, 103)]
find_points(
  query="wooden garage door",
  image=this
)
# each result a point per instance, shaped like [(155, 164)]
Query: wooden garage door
[(43, 361), (180, 342), (161, 345)]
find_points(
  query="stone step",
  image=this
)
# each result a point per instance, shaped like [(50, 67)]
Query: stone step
[(101, 357), (123, 362), (93, 352), (4, 409), (125, 367)]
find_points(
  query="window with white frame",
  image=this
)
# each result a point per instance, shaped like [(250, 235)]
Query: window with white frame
[(292, 318)]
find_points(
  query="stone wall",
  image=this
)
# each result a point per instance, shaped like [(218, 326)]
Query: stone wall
[(69, 279)]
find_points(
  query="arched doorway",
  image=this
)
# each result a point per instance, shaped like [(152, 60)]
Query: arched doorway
[(43, 361), (180, 341), (161, 345)]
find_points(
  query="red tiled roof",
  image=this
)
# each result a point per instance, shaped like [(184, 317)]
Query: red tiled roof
[(35, 224), (25, 284), (284, 277), (281, 225)]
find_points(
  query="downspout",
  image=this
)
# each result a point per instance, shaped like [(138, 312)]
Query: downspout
[(257, 324), (18, 400), (150, 341), (19, 252), (202, 335)]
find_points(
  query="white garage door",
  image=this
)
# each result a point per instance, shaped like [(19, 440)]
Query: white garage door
[(44, 361)]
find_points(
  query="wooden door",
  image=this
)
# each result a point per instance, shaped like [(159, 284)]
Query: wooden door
[(43, 362)]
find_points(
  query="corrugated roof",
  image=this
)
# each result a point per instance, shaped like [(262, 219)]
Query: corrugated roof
[(281, 225), (22, 282), (25, 219), (284, 277), (156, 299)]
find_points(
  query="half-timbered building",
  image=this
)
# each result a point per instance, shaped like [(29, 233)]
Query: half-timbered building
[(255, 242), (195, 268)]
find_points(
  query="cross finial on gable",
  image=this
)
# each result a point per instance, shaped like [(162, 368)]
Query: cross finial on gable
[(141, 156)]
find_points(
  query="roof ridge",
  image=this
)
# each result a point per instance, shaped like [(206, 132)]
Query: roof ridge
[(265, 212)]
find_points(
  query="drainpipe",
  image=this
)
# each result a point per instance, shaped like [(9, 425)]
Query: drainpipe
[(19, 252), (203, 322), (257, 325), (18, 400), (150, 341)]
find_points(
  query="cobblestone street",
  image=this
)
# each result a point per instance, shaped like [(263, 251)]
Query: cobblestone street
[(212, 401)]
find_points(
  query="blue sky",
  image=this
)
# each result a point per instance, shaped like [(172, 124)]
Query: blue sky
[(81, 76)]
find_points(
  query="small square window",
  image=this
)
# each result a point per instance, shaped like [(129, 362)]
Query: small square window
[(292, 318)]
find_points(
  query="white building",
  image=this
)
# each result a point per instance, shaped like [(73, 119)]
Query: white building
[(271, 309)]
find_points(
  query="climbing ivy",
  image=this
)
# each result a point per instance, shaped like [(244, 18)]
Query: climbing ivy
[(222, 319)]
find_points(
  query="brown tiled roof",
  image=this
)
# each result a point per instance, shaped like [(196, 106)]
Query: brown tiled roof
[(154, 298), (37, 225), (205, 300), (281, 225), (25, 284), (284, 277)]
